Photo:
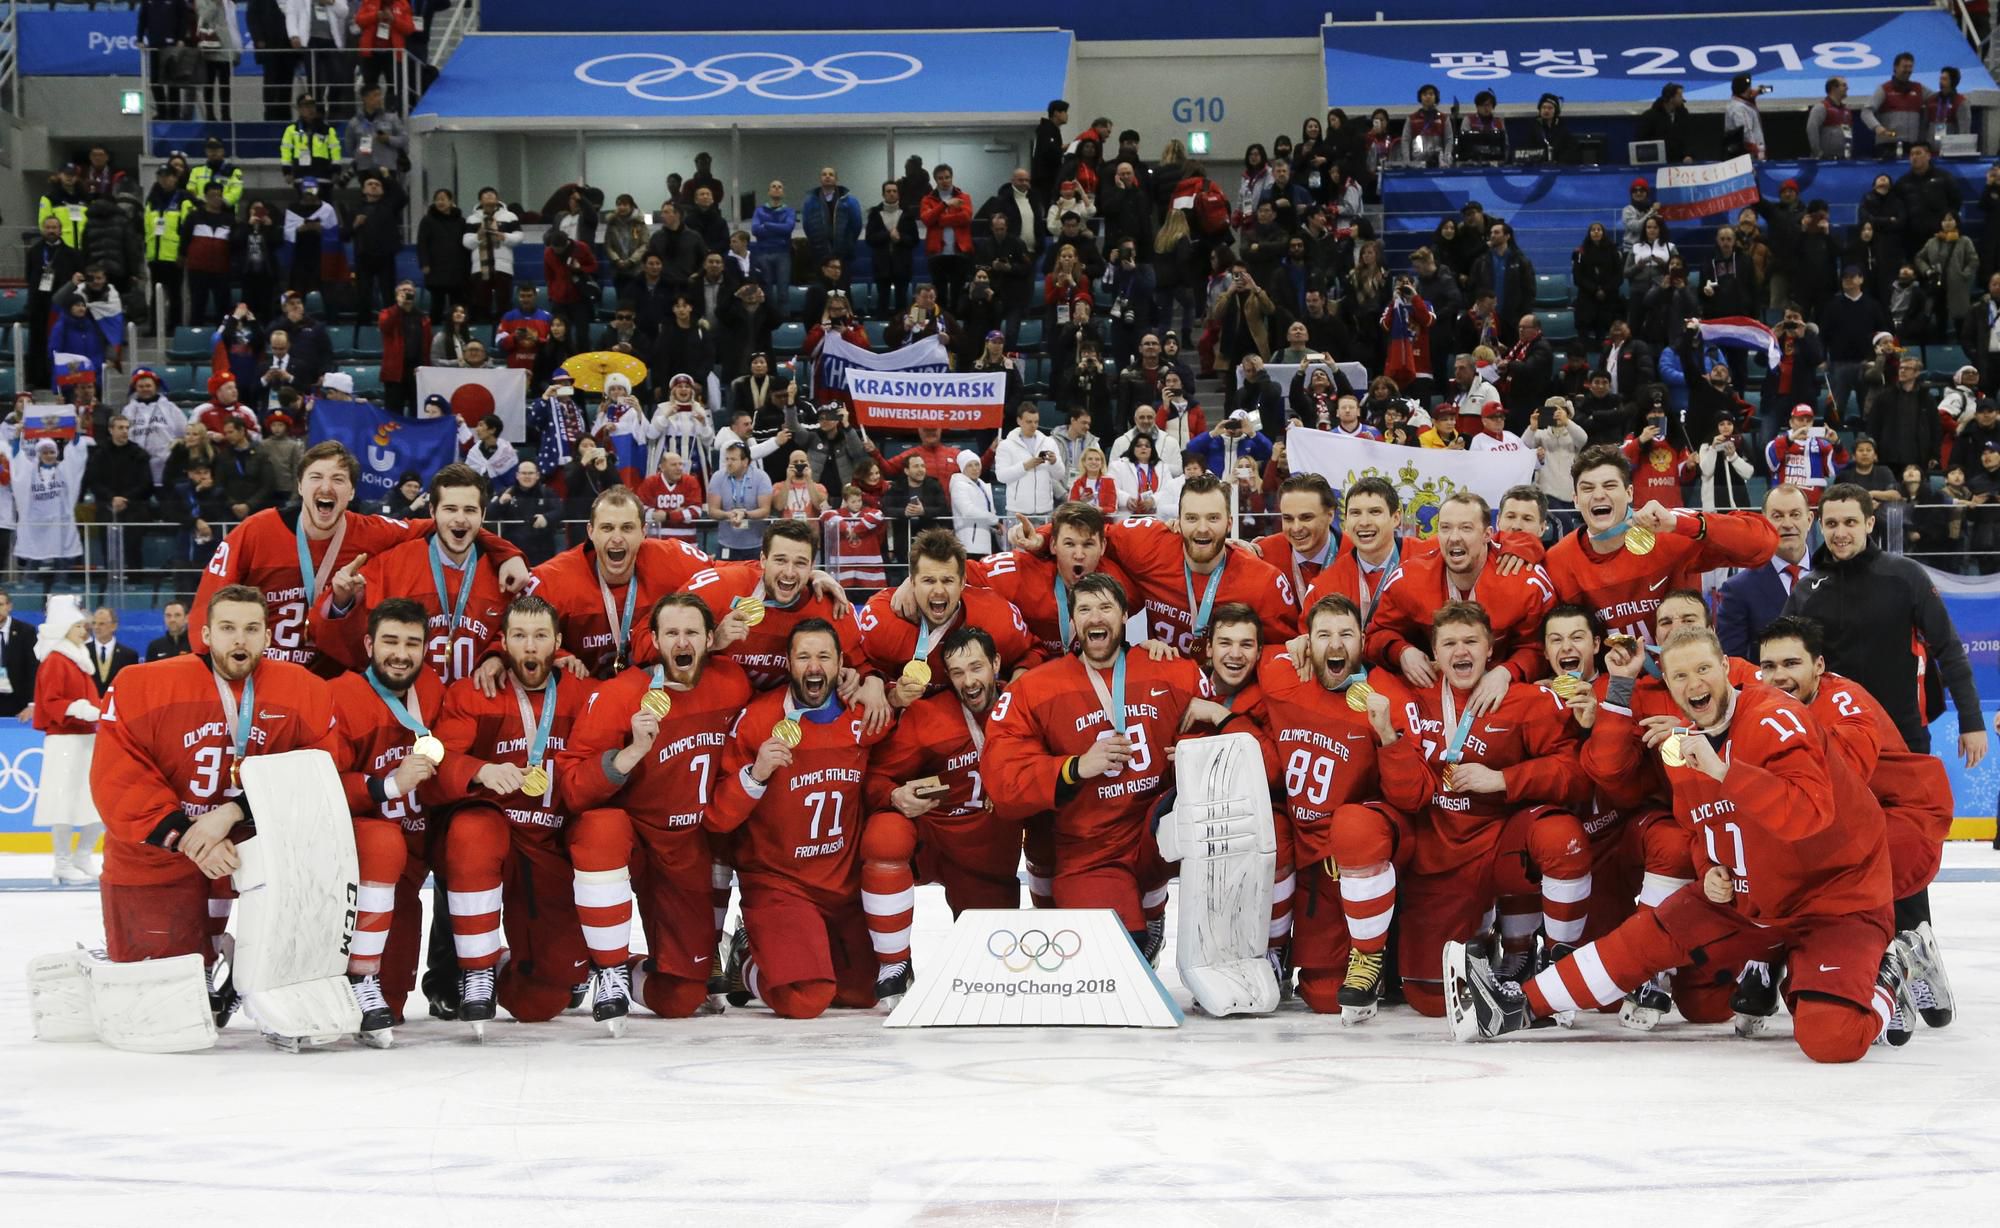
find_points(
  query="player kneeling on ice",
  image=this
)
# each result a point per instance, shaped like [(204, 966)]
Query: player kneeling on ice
[(504, 832), (641, 769), (1794, 869), (791, 786), (167, 774)]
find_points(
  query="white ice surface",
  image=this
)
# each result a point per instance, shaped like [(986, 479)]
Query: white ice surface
[(749, 1119)]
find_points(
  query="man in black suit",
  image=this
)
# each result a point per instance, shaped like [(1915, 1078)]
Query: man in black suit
[(1749, 600), (107, 655), (175, 642), (17, 661), (1628, 361)]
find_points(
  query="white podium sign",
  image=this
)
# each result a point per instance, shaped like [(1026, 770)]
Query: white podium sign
[(1054, 967)]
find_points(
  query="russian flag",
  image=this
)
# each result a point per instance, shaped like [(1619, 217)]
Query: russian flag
[(109, 312), (1702, 191), (48, 421), (1741, 333)]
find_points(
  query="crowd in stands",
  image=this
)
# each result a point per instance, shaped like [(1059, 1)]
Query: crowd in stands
[(1137, 307)]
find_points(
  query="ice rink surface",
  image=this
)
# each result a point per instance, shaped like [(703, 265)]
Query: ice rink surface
[(749, 1119)]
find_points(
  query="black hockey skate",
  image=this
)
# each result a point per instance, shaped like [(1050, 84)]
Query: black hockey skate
[(1153, 940), (377, 1021), (736, 988), (1361, 991), (475, 999), (892, 982), (611, 997), (1755, 1000), (1893, 978), (1645, 1006), (1477, 1005)]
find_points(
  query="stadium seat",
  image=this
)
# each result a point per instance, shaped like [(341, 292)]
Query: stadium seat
[(788, 338), (316, 305), (175, 377), (367, 379), (795, 301), (878, 332), (13, 304), (1031, 334), (864, 296), (1559, 325), (7, 383), (484, 334), (190, 343), (368, 345), (1553, 290)]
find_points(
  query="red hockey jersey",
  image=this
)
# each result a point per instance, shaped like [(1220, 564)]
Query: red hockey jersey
[(934, 738), (1529, 739), (373, 744), (1152, 553), (1029, 582), (1409, 599), (1624, 589), (571, 584), (477, 731), (405, 571), (890, 641), (763, 653)]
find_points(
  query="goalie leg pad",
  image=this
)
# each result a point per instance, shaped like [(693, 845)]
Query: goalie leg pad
[(1222, 829), (59, 997), (153, 1006), (300, 887)]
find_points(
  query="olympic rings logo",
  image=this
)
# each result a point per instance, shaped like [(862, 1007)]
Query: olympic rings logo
[(784, 68), (1033, 949), (14, 774)]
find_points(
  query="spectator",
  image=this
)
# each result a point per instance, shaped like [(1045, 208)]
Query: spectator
[(855, 539), (491, 456), (1742, 125), (385, 27), (1046, 157), (1493, 434), (1829, 123), (1556, 439), (569, 268), (47, 482), (797, 496), (310, 148), (832, 221), (1658, 462), (1029, 465), (376, 134), (1877, 479), (1647, 260), (253, 258), (1548, 133), (1903, 420), (835, 450), (1503, 272), (1794, 378), (747, 323), (1237, 436), (679, 246), (164, 27), (1805, 457), (1242, 321), (196, 446), (1895, 111), (1597, 271), (376, 231), (1848, 325), (247, 483), (1405, 325), (1928, 194), (51, 264), (405, 332), (771, 229), (1979, 333), (1950, 263), (119, 477), (1138, 469), (449, 342), (283, 451), (916, 499), (491, 235), (442, 254), (216, 168), (198, 507), (309, 225), (529, 513), (1639, 206), (1605, 418), (522, 330), (166, 212), (625, 239), (947, 218), (156, 423), (207, 238), (1748, 601), (1527, 372), (1724, 470), (77, 350), (65, 201), (174, 643)]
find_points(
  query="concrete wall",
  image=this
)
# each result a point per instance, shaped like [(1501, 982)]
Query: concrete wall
[(1267, 86)]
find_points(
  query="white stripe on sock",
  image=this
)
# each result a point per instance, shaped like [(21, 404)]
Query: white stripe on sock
[(1282, 889), (1153, 898), (1602, 988), (472, 903), (368, 943), (472, 946), (889, 904), (602, 894), (1359, 928), (220, 908), (374, 897), (1367, 887), (1281, 927), (1555, 991), (1885, 1009), (1655, 888), (1519, 925), (606, 937), (891, 943), (1565, 890)]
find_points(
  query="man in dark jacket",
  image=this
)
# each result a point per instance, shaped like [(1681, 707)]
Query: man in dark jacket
[(17, 659), (1604, 417), (531, 512), (917, 498), (1009, 270), (51, 265), (376, 231), (1526, 372), (164, 24), (1847, 325), (1045, 162), (119, 476), (1928, 194), (1126, 209), (175, 642), (680, 249), (1903, 420), (1506, 274), (745, 328), (442, 257), (1979, 334), (1794, 378), (1628, 361), (1879, 612)]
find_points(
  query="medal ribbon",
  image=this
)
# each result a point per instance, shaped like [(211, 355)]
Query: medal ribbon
[(454, 609), (239, 721), (1454, 747), (316, 580), (1207, 606), (975, 726), (1062, 609), (1113, 699), (1616, 530), (537, 731), (621, 629), (403, 713)]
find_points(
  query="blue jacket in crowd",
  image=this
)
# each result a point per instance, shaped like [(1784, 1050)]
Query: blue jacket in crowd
[(771, 228)]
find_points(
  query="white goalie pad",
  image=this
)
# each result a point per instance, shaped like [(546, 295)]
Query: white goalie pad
[(1221, 833), (298, 886), (152, 1006)]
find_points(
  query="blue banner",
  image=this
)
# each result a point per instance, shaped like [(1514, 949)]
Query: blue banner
[(20, 775), (998, 74), (387, 445), (92, 42), (1618, 62)]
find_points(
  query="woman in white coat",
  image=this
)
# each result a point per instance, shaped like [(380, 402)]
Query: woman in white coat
[(66, 712), (47, 484), (973, 515)]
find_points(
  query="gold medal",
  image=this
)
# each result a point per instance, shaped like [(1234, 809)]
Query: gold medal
[(428, 747), (535, 781), (657, 702), (235, 773), (1567, 686), (1640, 540), (917, 673), (1446, 778), (788, 732), (1621, 640), (1358, 695), (1672, 753), (751, 610)]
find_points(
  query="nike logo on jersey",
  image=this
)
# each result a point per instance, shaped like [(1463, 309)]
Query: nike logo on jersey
[(270, 716), (1496, 728), (1660, 585), (1159, 691), (700, 959), (1825, 968)]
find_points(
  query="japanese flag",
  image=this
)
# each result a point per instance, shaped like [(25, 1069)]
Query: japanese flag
[(479, 391)]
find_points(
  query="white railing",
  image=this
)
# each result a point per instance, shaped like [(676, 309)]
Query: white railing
[(10, 57), (463, 19)]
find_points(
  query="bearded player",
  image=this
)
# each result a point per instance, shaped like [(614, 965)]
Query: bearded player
[(906, 649), (641, 767), (290, 554), (1037, 581), (791, 787), (757, 603), (1621, 561), (1087, 737), (1463, 568), (1784, 875), (1914, 792), (165, 774), (1503, 813), (448, 575), (930, 818), (503, 845), (384, 715), (1352, 777)]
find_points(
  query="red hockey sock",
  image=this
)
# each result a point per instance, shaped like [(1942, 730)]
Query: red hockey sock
[(888, 886)]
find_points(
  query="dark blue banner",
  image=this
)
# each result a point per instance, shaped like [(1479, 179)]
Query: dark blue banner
[(1615, 61), (388, 446), (100, 42)]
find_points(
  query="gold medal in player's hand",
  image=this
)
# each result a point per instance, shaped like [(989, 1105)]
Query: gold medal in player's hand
[(1628, 643), (1672, 753), (788, 732), (917, 673), (657, 702), (535, 781), (1358, 695), (1449, 785), (428, 747), (1640, 540), (750, 610), (1568, 686)]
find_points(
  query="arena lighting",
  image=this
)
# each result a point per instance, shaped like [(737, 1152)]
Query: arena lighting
[(1197, 142), (130, 103)]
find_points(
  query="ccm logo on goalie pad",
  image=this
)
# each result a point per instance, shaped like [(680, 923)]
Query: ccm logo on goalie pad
[(347, 926)]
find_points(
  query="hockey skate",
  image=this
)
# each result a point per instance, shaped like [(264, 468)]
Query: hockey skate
[(1477, 1005), (222, 996), (892, 982), (475, 1000), (611, 997), (1645, 1006), (579, 994), (1154, 940), (1755, 1000), (1361, 992), (1894, 979), (1930, 988), (736, 988), (1281, 966), (377, 1023)]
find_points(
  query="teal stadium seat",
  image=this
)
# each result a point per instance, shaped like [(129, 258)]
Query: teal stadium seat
[(1558, 325), (189, 344), (1553, 290), (788, 337)]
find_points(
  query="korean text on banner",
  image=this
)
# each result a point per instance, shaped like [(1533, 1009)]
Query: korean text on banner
[(973, 400), (386, 444), (478, 391), (1703, 191), (1424, 477)]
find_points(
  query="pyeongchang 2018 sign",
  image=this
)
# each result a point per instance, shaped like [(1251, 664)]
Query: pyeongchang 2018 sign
[(1627, 61), (99, 42), (20, 775)]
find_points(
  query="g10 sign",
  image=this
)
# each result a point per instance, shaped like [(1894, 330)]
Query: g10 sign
[(1629, 62)]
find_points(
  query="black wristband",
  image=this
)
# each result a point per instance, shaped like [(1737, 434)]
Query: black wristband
[(378, 788), (167, 833)]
